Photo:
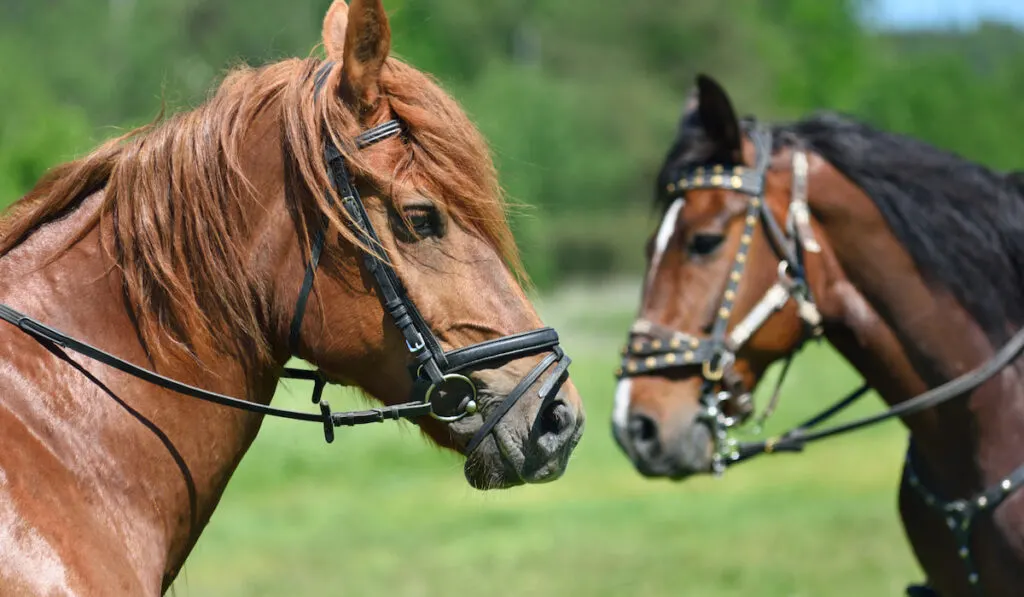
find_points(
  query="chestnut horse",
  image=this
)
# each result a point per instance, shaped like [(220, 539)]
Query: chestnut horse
[(189, 248), (908, 259)]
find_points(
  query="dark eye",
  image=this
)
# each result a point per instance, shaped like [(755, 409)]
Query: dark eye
[(420, 222), (705, 244)]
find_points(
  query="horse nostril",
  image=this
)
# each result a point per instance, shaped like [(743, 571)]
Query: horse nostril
[(643, 430), (555, 418)]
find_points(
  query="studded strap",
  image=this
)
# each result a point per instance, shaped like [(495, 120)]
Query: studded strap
[(960, 514)]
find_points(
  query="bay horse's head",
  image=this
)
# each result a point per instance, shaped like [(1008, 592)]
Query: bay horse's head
[(723, 296), (432, 197)]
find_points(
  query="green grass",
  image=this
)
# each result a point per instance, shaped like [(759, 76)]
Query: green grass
[(381, 512)]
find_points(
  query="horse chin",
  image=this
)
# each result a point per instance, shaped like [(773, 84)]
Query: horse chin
[(494, 466)]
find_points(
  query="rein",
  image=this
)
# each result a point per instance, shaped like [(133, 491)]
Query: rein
[(436, 374), (653, 347)]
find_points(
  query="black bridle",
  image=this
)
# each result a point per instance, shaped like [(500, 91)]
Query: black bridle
[(440, 387), (654, 348)]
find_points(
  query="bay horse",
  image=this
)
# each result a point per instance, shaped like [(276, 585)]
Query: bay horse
[(344, 211), (908, 259)]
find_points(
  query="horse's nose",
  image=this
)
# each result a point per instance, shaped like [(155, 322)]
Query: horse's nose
[(558, 427), (642, 432), (686, 450)]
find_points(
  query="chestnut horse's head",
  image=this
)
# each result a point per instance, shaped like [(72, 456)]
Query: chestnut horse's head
[(432, 198), (724, 296)]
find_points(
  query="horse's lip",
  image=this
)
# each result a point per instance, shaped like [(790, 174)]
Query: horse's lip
[(508, 451)]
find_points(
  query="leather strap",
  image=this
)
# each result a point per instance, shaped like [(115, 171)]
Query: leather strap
[(507, 348), (366, 139), (50, 336), (495, 415)]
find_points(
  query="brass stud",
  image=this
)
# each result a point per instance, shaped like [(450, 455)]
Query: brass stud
[(723, 312), (730, 295), (738, 170), (735, 276), (716, 180), (656, 345), (973, 578), (687, 356), (718, 169), (698, 180), (751, 220), (736, 182), (671, 187), (741, 258), (694, 343), (982, 501), (618, 372), (745, 239), (755, 202), (1005, 485), (964, 552), (684, 183), (670, 358), (638, 346), (699, 171), (631, 367), (651, 362), (675, 343)]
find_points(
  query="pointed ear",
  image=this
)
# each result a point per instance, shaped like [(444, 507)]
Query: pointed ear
[(718, 118), (335, 24), (691, 116), (367, 42)]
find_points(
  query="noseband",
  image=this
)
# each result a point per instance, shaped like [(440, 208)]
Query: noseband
[(655, 348), (441, 387)]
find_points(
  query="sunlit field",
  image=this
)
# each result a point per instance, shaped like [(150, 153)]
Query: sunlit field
[(381, 512)]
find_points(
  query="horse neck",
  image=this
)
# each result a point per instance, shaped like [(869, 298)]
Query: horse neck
[(905, 337), (174, 482)]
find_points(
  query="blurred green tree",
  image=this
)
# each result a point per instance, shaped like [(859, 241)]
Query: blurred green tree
[(580, 100)]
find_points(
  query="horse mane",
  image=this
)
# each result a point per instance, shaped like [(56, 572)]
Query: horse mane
[(961, 223), (173, 190)]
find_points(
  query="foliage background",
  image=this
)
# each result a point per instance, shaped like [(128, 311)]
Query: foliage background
[(579, 100)]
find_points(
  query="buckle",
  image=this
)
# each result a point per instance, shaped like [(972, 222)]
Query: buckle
[(420, 344)]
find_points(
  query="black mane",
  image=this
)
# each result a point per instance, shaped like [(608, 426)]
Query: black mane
[(961, 223)]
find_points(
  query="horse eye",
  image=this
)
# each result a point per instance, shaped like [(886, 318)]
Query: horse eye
[(705, 244), (420, 222)]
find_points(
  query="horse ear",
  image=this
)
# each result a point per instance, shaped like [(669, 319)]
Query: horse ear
[(367, 43), (717, 117), (334, 30), (691, 113)]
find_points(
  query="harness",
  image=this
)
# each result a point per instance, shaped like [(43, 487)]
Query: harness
[(653, 348)]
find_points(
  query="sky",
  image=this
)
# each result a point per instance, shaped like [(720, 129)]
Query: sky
[(962, 13)]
